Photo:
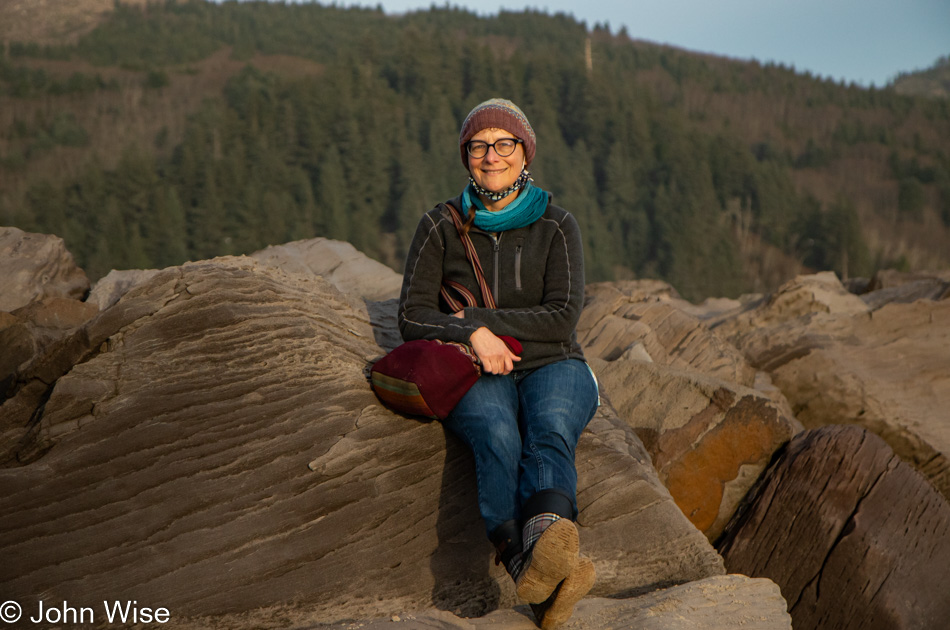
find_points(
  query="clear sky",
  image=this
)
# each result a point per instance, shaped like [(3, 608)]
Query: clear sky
[(864, 41)]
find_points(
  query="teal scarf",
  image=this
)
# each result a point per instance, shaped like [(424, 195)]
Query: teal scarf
[(527, 208)]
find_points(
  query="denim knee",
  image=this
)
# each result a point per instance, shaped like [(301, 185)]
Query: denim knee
[(557, 402), (486, 419)]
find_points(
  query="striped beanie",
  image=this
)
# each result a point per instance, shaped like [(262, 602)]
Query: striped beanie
[(498, 113)]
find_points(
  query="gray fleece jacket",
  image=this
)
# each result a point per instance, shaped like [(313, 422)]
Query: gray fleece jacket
[(536, 273)]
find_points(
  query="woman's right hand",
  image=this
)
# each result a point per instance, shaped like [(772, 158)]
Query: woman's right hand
[(495, 355)]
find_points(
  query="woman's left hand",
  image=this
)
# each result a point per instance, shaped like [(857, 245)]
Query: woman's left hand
[(493, 352)]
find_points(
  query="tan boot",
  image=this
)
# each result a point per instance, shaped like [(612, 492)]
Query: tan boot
[(574, 587), (550, 561)]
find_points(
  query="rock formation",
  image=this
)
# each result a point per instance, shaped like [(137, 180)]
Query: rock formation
[(335, 261), (838, 361), (640, 321), (338, 262), (687, 394), (709, 439), (214, 448), (203, 438), (110, 288), (855, 538), (41, 289), (718, 603), (29, 330), (36, 266)]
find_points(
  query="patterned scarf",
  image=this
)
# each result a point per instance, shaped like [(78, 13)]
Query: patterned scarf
[(524, 210)]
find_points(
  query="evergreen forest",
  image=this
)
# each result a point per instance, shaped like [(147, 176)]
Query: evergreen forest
[(184, 130)]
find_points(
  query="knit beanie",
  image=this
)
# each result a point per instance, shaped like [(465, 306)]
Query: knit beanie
[(498, 113)]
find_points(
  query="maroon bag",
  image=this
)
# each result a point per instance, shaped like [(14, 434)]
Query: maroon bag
[(429, 377)]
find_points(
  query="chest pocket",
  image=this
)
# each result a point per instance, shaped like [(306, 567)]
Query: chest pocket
[(519, 247)]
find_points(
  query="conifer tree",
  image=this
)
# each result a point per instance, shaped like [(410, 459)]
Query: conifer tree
[(628, 225), (167, 244), (332, 200)]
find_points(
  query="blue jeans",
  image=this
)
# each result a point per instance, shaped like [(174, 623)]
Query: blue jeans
[(523, 428)]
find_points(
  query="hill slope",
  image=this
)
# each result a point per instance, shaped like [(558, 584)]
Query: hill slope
[(198, 129), (53, 21), (934, 81)]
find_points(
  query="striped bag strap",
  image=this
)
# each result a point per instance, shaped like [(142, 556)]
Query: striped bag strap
[(472, 256), (454, 304)]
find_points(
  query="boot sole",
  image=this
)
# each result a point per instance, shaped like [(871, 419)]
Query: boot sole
[(552, 560), (572, 590)]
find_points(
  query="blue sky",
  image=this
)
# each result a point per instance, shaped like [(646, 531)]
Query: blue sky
[(864, 41)]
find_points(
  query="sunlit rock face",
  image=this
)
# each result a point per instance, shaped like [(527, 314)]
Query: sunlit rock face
[(210, 442), (709, 440), (840, 361), (687, 393)]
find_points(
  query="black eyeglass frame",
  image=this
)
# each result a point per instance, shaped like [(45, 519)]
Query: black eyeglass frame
[(468, 147)]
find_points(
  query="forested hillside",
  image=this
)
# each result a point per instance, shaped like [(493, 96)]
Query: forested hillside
[(933, 81), (186, 130)]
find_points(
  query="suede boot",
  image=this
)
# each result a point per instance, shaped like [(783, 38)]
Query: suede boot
[(549, 560), (560, 606)]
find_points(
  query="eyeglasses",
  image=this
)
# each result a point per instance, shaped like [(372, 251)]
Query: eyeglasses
[(503, 147)]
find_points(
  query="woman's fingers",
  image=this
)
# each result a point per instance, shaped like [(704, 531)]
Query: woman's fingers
[(495, 355)]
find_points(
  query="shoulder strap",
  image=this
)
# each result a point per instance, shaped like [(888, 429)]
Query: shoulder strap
[(472, 255)]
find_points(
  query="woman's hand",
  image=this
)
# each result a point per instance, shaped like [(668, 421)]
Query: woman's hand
[(495, 355)]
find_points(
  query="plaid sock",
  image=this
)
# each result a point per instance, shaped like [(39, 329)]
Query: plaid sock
[(515, 565), (534, 527)]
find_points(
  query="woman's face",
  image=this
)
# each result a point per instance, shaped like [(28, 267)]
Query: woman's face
[(491, 171)]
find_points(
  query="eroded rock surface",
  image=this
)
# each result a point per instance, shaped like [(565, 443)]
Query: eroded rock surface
[(709, 439), (213, 447), (717, 603), (36, 266), (110, 288), (839, 362), (643, 320), (855, 537), (340, 263), (821, 294), (26, 336)]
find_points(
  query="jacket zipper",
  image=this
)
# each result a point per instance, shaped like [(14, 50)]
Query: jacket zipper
[(495, 239)]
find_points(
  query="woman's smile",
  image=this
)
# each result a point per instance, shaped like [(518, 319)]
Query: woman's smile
[(491, 171)]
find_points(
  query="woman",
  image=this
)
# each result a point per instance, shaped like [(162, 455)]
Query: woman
[(523, 417)]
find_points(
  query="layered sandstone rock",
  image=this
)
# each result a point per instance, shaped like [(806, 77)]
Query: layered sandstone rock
[(209, 444), (889, 286), (709, 439), (717, 603), (18, 346), (36, 266), (348, 269), (110, 288), (819, 296), (643, 320), (336, 261), (854, 536), (840, 362), (31, 329), (687, 393), (40, 292)]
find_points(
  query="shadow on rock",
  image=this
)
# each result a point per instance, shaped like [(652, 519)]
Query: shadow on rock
[(461, 564)]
